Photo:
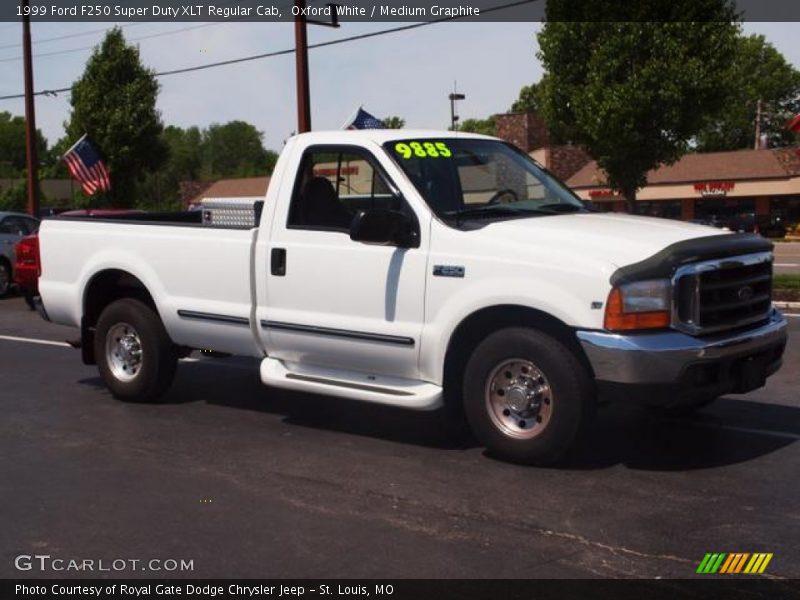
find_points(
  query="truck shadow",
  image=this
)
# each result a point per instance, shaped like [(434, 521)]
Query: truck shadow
[(728, 432)]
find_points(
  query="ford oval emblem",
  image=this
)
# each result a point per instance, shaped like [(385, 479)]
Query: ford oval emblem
[(745, 293)]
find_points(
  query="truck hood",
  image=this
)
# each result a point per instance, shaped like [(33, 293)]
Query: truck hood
[(617, 238)]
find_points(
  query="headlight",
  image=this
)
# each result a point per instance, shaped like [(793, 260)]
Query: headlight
[(639, 305)]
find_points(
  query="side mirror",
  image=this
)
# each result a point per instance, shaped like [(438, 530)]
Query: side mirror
[(384, 227)]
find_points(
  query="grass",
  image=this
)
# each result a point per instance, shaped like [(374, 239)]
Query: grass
[(785, 281)]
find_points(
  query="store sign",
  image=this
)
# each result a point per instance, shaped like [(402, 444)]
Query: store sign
[(714, 188), (331, 171), (602, 194)]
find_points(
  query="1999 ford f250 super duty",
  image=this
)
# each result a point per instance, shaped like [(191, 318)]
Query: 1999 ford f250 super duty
[(424, 269)]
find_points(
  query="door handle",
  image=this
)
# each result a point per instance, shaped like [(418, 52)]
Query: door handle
[(278, 262)]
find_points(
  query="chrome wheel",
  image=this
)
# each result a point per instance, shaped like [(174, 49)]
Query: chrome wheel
[(519, 399), (5, 279), (123, 352)]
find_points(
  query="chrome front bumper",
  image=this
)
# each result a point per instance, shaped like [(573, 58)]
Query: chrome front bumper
[(679, 364)]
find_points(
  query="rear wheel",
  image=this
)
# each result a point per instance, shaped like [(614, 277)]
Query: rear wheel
[(526, 396), (134, 353)]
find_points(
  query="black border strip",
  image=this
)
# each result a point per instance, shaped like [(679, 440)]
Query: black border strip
[(343, 333), (203, 316), (346, 384)]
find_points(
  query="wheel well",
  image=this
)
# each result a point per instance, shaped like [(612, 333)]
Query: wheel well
[(473, 329), (104, 288)]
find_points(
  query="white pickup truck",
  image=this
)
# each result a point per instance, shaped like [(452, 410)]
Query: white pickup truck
[(423, 270)]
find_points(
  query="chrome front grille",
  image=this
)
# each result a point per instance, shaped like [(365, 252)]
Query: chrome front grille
[(725, 293)]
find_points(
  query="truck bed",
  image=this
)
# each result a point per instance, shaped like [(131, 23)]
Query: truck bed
[(189, 268)]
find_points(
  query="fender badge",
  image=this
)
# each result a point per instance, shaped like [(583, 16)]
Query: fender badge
[(448, 271)]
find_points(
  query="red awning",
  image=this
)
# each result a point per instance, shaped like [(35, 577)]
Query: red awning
[(794, 124)]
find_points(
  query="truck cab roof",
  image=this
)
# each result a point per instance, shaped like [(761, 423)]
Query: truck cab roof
[(381, 136)]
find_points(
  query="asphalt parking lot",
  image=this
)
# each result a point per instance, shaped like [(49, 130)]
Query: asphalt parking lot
[(787, 257), (247, 481)]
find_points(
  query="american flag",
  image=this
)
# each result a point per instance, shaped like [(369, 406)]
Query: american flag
[(364, 120), (87, 167)]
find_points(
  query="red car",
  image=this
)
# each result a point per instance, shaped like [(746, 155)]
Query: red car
[(28, 268)]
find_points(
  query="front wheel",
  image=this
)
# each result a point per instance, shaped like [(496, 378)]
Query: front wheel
[(526, 396), (134, 353)]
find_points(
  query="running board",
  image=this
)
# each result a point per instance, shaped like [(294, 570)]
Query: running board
[(394, 391)]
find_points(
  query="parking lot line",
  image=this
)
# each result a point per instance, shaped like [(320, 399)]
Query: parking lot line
[(791, 315), (786, 265), (12, 338)]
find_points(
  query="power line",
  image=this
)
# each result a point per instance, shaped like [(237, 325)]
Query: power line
[(253, 57), (70, 35), (138, 39)]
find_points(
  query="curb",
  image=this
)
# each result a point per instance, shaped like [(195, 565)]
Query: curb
[(787, 305)]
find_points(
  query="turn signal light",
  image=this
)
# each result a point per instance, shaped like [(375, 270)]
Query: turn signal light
[(616, 319)]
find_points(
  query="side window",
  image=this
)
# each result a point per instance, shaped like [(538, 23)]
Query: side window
[(332, 186)]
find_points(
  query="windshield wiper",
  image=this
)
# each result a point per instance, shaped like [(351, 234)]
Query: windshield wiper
[(480, 211), (560, 207)]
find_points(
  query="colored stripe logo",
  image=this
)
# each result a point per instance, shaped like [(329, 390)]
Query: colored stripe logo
[(733, 563)]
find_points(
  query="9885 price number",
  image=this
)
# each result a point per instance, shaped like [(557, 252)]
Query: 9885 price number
[(423, 150)]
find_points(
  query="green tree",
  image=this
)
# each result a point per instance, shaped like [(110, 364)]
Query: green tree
[(483, 126), (759, 72), (114, 102), (631, 87), (12, 145), (528, 100), (15, 197), (160, 189), (235, 149), (394, 122)]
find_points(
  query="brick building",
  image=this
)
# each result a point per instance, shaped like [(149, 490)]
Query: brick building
[(713, 186)]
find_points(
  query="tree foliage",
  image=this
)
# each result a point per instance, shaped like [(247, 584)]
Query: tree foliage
[(394, 122), (114, 102), (227, 150), (631, 89), (758, 72), (529, 99), (235, 149), (486, 126), (12, 145)]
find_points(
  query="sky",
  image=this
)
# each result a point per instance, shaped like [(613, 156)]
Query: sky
[(409, 74)]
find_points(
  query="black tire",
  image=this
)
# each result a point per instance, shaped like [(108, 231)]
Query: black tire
[(538, 363), (147, 377), (6, 282)]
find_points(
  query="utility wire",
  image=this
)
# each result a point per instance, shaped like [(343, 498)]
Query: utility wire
[(144, 37), (70, 35), (253, 57)]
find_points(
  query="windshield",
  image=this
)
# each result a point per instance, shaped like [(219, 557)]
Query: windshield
[(465, 179)]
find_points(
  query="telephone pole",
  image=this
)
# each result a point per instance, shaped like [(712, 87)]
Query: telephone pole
[(32, 160), (758, 125), (301, 68)]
